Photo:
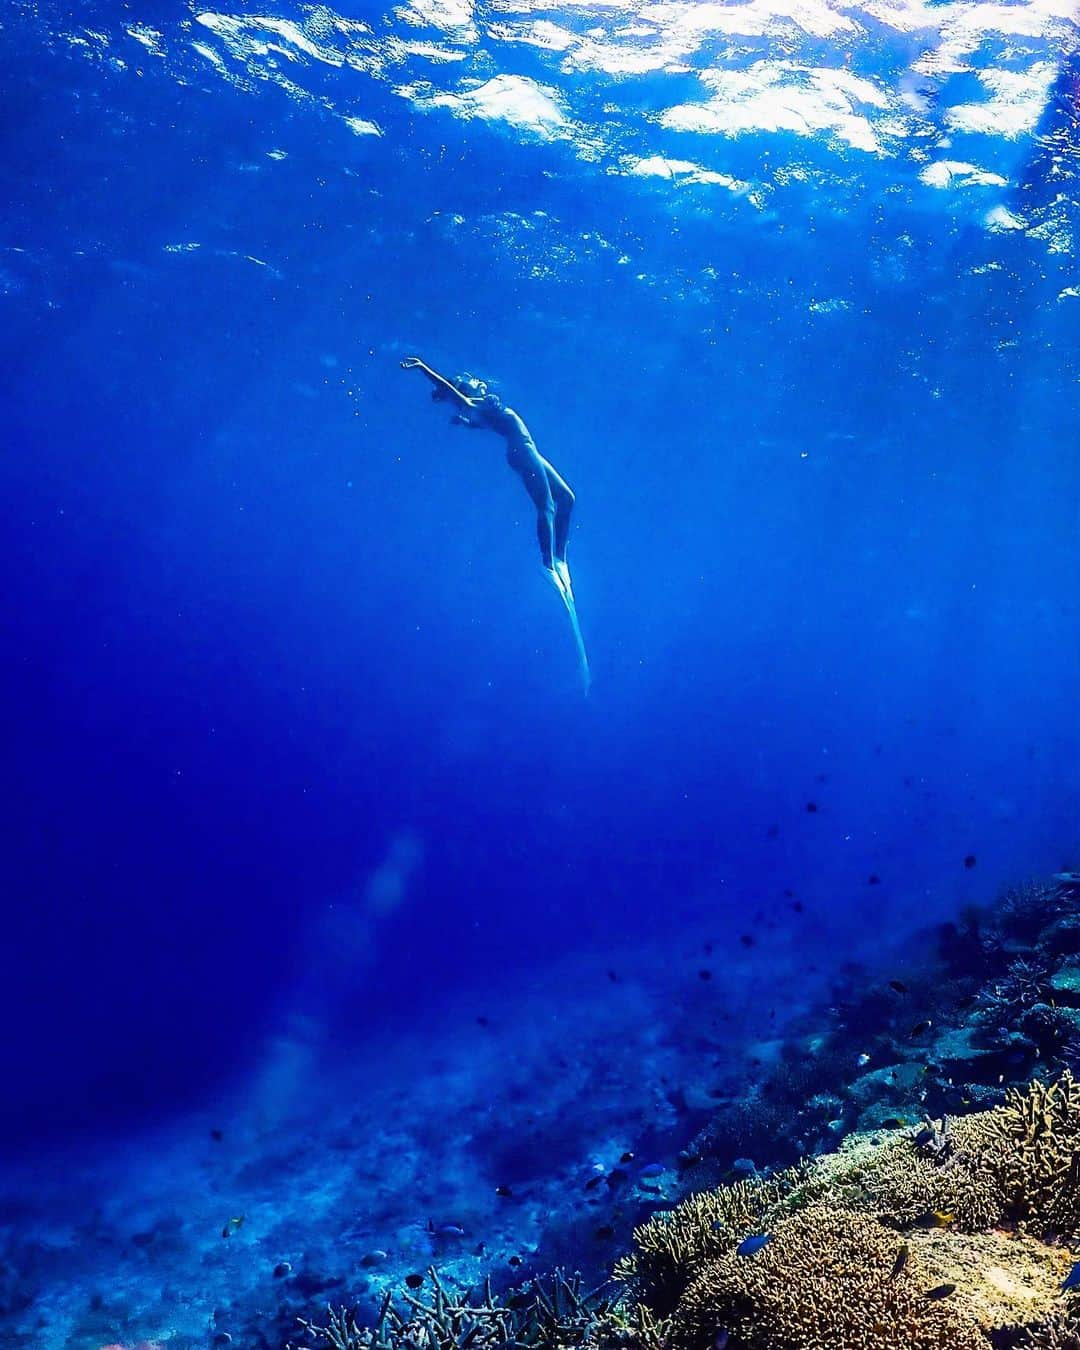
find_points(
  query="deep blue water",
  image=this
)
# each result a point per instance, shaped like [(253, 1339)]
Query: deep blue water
[(787, 293)]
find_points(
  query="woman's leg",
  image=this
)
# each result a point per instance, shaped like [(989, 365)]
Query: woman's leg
[(533, 474), (563, 497)]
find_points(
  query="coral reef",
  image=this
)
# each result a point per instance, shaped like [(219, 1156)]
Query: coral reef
[(894, 1239), (556, 1311), (673, 1244), (825, 1279)]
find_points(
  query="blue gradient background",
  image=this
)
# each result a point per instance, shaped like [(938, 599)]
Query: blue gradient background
[(266, 612)]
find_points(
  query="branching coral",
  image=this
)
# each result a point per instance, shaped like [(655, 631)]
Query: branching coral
[(342, 1331), (832, 1273), (1059, 1332), (827, 1278), (555, 1312), (1024, 984), (1035, 1151), (1030, 906), (673, 1244), (633, 1325), (892, 1177), (853, 1257)]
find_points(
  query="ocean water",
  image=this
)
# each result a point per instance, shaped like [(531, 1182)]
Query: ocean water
[(307, 811)]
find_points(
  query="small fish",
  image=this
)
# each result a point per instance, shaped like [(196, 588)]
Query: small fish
[(627, 1157), (811, 807), (873, 879), (751, 1245), (605, 1231), (941, 1291), (232, 1225), (969, 861), (593, 1182), (414, 1281), (1073, 1278), (898, 986), (704, 974), (920, 1029), (450, 1230), (747, 939), (722, 1340), (217, 1136), (935, 1218), (653, 1169), (504, 1191), (901, 1261), (863, 1060)]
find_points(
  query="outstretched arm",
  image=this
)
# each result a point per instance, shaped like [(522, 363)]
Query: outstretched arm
[(445, 388)]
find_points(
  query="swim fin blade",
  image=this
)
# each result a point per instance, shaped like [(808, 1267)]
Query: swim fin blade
[(560, 577)]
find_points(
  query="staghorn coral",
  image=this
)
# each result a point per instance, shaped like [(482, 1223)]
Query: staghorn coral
[(1027, 908), (631, 1325), (1024, 984), (556, 1312), (1061, 1331), (342, 1331), (1034, 1150), (825, 1280)]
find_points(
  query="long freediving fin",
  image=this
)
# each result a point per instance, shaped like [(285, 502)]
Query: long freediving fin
[(560, 577)]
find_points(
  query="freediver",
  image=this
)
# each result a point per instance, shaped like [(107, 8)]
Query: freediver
[(481, 410)]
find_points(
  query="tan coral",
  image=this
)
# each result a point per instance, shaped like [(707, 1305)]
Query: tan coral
[(837, 1225), (1037, 1155), (1004, 1279), (886, 1175), (673, 1244), (825, 1280)]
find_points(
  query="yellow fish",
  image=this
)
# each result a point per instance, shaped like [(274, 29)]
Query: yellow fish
[(935, 1218)]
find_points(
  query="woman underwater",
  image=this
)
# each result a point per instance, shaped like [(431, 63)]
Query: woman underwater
[(548, 491)]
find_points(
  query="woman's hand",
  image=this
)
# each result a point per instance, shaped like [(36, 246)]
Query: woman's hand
[(411, 363)]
